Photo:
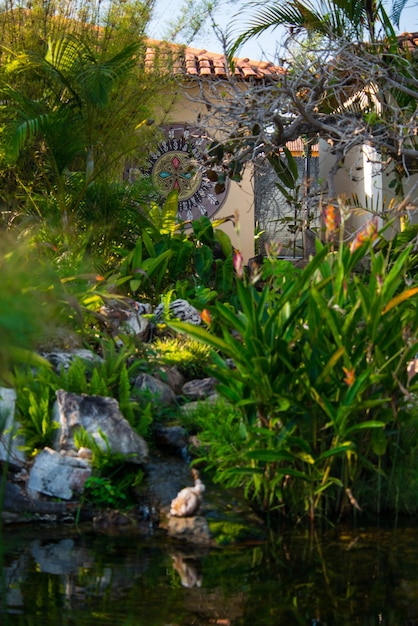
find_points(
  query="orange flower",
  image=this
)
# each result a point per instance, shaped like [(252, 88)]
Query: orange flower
[(330, 220), (206, 316), (350, 376), (367, 234)]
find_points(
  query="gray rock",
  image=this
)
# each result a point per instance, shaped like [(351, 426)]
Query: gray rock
[(172, 377), (199, 389), (126, 317), (57, 475), (180, 310), (9, 440), (156, 387), (193, 530), (96, 415), (143, 308), (61, 360), (172, 438), (135, 325)]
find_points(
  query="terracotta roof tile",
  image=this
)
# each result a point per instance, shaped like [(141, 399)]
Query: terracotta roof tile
[(297, 148), (193, 62), (410, 39)]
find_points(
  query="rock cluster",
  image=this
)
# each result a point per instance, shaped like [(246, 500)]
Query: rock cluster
[(61, 471), (53, 482)]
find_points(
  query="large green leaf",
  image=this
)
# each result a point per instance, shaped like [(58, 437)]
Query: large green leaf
[(225, 242), (196, 332), (335, 451), (369, 424), (270, 456), (169, 213)]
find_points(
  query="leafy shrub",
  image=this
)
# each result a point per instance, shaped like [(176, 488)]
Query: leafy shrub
[(190, 356), (217, 426), (29, 301), (113, 478), (319, 376), (166, 256), (110, 377), (34, 404), (100, 492)]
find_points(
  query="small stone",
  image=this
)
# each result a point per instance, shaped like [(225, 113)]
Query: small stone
[(172, 377), (179, 310), (194, 530), (199, 389), (84, 453), (62, 360), (156, 387)]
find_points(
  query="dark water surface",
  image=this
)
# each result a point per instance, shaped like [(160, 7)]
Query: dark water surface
[(58, 576)]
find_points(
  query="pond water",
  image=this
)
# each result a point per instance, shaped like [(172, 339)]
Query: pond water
[(60, 576)]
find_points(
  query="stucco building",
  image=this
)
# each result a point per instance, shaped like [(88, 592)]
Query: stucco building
[(254, 201)]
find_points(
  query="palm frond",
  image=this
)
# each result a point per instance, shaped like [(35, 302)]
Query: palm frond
[(26, 117), (98, 77), (397, 8), (26, 131), (332, 18), (63, 53), (270, 17)]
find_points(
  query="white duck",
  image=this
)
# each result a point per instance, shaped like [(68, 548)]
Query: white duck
[(189, 499)]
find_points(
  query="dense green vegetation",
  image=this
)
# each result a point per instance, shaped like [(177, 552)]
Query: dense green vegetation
[(318, 416), (324, 402)]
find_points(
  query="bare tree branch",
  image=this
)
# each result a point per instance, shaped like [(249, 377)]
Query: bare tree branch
[(350, 95)]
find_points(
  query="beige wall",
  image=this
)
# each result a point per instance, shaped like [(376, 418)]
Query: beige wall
[(361, 179), (240, 197)]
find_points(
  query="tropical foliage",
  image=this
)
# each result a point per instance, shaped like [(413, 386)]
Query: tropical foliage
[(30, 303), (319, 375), (313, 365), (352, 19), (68, 126), (340, 61)]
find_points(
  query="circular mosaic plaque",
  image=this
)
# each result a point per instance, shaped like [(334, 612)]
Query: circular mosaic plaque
[(178, 164)]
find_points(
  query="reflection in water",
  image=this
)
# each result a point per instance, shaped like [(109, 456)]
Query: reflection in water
[(342, 577), (188, 570)]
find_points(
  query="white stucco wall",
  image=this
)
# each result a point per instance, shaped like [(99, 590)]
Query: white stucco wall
[(366, 184), (411, 187)]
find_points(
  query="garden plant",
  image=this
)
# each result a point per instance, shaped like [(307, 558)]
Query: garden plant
[(315, 366), (320, 378)]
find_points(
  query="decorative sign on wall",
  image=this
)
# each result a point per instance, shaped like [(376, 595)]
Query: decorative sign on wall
[(178, 163)]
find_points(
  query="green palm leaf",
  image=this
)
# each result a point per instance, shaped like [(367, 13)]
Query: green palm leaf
[(397, 8), (332, 18)]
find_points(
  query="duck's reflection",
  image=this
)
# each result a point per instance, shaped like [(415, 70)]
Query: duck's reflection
[(188, 569)]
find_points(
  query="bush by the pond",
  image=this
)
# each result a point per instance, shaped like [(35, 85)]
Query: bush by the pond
[(321, 410), (320, 379)]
